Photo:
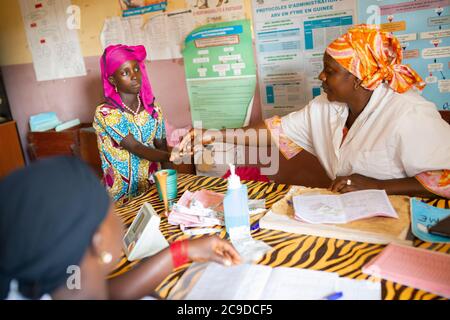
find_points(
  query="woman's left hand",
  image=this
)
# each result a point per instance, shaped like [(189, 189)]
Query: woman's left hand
[(354, 182)]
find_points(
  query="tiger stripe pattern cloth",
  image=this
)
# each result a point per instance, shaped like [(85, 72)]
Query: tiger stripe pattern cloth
[(290, 250)]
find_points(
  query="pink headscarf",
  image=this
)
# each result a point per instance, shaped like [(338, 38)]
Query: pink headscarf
[(113, 57)]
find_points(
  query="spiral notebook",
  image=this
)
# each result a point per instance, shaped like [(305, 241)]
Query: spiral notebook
[(413, 267)]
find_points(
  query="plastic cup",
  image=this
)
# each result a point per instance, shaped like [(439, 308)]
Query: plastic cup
[(167, 186)]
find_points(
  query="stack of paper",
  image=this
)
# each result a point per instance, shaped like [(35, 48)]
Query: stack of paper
[(44, 121), (255, 282), (203, 209), (340, 209), (198, 209)]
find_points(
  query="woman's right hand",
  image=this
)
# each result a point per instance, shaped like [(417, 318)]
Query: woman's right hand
[(215, 249), (186, 146)]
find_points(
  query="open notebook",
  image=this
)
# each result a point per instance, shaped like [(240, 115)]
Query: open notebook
[(343, 208), (379, 230), (257, 282)]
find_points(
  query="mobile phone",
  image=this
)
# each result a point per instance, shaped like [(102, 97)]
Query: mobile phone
[(442, 228)]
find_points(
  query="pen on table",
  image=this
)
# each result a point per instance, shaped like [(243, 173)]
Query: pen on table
[(255, 226), (334, 296)]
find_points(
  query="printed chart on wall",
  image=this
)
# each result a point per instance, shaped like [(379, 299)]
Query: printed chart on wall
[(423, 28), (220, 74), (214, 11), (52, 39), (162, 35), (138, 7), (291, 37)]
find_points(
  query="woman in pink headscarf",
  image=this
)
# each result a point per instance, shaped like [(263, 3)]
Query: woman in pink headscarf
[(129, 124)]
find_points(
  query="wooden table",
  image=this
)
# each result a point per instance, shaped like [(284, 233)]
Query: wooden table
[(290, 250)]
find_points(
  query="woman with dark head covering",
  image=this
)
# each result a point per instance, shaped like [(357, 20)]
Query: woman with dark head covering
[(371, 128), (60, 239), (130, 128)]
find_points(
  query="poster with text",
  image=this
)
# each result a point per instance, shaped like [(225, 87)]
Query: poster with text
[(423, 28), (291, 37), (162, 35), (52, 39), (214, 11), (220, 74), (137, 7)]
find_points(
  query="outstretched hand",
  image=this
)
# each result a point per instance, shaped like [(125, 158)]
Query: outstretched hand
[(187, 145)]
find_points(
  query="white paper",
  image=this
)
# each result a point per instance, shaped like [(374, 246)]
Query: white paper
[(257, 282), (359, 289), (162, 35), (180, 24), (52, 39), (127, 31), (166, 33), (247, 283), (291, 283), (250, 250), (156, 30), (213, 11), (338, 209)]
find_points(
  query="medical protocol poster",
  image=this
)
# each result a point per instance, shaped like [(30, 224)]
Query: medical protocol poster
[(423, 28), (220, 74), (291, 37)]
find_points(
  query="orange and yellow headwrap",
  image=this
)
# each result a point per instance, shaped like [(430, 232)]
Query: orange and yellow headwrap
[(374, 56)]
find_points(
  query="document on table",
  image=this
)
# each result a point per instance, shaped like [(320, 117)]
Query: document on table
[(340, 209), (255, 282), (413, 267)]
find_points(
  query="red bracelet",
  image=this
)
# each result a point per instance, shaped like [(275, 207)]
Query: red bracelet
[(179, 251)]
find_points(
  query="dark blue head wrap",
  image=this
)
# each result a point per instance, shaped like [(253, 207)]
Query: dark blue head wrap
[(49, 213)]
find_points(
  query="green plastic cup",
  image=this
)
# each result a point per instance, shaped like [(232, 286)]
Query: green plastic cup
[(172, 186)]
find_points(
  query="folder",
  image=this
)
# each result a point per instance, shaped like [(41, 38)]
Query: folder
[(413, 267)]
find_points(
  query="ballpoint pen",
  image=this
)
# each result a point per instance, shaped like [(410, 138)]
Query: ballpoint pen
[(334, 296)]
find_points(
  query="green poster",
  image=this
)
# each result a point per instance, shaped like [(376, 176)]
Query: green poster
[(220, 74)]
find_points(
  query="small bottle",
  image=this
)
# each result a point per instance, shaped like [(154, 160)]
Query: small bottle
[(236, 212)]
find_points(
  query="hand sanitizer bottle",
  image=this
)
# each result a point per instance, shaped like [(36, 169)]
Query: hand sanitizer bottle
[(236, 204)]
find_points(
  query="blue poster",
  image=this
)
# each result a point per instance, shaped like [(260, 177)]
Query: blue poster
[(138, 7), (423, 28)]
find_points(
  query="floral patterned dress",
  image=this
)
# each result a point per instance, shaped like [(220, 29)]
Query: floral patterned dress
[(125, 174)]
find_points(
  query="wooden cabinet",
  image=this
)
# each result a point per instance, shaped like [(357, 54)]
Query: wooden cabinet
[(79, 141), (11, 155), (52, 143)]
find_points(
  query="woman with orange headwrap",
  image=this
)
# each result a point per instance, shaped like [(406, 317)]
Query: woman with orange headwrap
[(371, 129)]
